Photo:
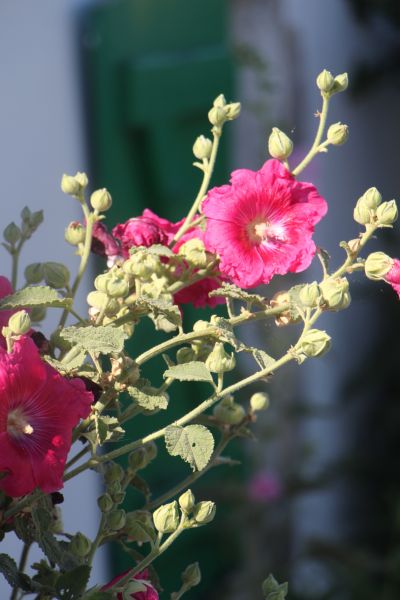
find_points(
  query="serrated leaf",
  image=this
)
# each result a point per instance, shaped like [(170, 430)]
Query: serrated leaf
[(229, 290), (103, 340), (71, 361), (148, 398), (9, 568), (273, 590), (263, 359), (36, 295), (194, 443), (155, 250), (160, 308), (25, 528), (70, 585), (107, 429), (190, 371), (226, 334)]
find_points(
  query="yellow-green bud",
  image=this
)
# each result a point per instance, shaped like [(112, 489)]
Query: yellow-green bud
[(187, 501), (219, 101), (142, 265), (233, 110), (229, 412), (191, 576), (362, 214), (34, 273), (75, 233), (280, 146), (200, 325), (335, 293), (12, 233), (138, 459), (56, 275), (116, 519), (340, 83), (204, 512), (38, 313), (97, 299), (19, 323), (194, 252), (73, 185), (80, 545), (105, 503), (314, 343), (117, 287), (386, 213), (166, 518), (325, 81), (113, 472), (338, 134), (202, 147), (101, 200), (259, 401), (184, 355), (219, 361), (377, 265), (139, 526), (217, 116), (310, 294), (371, 198)]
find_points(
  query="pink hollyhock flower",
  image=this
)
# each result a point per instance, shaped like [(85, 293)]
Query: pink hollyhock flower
[(146, 230), (262, 224), (393, 276), (264, 487), (38, 410), (103, 242), (5, 290), (139, 588)]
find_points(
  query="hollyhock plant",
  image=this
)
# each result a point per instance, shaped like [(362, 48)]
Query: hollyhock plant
[(393, 276), (262, 224), (38, 410), (138, 588)]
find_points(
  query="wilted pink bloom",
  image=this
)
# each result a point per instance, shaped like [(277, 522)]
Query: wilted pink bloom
[(38, 411), (262, 224), (393, 276), (264, 487), (139, 587), (103, 243)]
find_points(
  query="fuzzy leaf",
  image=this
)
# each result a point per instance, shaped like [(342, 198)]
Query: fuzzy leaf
[(70, 362), (148, 398), (97, 594), (9, 568), (263, 359), (104, 340), (107, 429), (194, 443), (229, 290), (160, 310), (273, 590), (190, 371), (155, 250), (225, 333), (36, 295), (70, 585)]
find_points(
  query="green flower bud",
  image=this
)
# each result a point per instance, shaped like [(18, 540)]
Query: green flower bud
[(113, 472), (194, 252), (184, 355), (191, 576), (335, 293), (204, 512), (142, 265), (101, 200), (259, 401), (105, 503), (310, 294), (34, 273), (12, 233), (38, 313), (166, 518), (219, 361), (56, 275), (219, 101), (187, 501), (233, 110), (377, 265), (280, 146), (80, 545), (139, 526), (325, 81), (116, 519), (338, 134), (229, 412), (386, 213), (340, 83), (118, 497), (371, 198), (114, 487), (138, 459), (362, 214), (75, 233), (97, 299), (202, 147), (201, 325), (217, 116), (117, 287), (151, 450), (73, 185), (19, 323), (314, 343)]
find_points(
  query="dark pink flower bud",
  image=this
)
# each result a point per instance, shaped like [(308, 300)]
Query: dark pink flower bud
[(139, 587)]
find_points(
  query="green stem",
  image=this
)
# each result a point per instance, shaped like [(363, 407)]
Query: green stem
[(77, 456), (208, 171), (315, 148), (97, 540), (366, 236), (25, 501)]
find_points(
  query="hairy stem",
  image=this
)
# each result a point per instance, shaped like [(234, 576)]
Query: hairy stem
[(315, 148)]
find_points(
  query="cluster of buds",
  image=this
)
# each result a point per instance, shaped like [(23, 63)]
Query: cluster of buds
[(329, 84), (221, 112), (370, 210)]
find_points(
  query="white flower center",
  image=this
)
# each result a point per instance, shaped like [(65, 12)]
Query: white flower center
[(17, 424), (264, 231)]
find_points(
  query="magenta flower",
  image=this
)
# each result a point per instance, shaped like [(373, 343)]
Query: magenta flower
[(393, 276), (262, 224), (103, 242), (38, 411), (139, 588), (146, 230)]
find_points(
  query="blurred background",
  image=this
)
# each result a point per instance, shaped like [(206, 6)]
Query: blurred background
[(121, 89)]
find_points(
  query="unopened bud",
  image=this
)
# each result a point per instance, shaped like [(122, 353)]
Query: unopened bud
[(187, 501), (139, 526), (340, 83), (75, 233), (19, 323), (309, 294), (338, 134), (217, 116), (73, 185), (377, 265), (80, 545), (116, 519), (314, 343), (138, 459), (233, 110), (194, 252), (34, 273), (229, 412), (280, 146), (335, 293), (38, 313), (113, 472), (259, 401), (117, 287), (166, 518), (191, 576), (371, 198), (219, 361), (56, 275), (204, 512), (105, 503), (219, 101), (184, 355), (325, 81), (151, 450), (202, 147), (12, 233), (386, 213), (101, 200), (362, 214)]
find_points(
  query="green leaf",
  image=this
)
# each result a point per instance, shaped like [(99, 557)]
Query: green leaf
[(190, 371), (97, 594), (194, 443), (148, 398), (107, 429), (25, 528), (104, 340), (71, 361), (165, 315), (9, 568), (273, 590), (70, 585), (225, 333), (263, 359), (36, 295), (155, 250), (229, 290)]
